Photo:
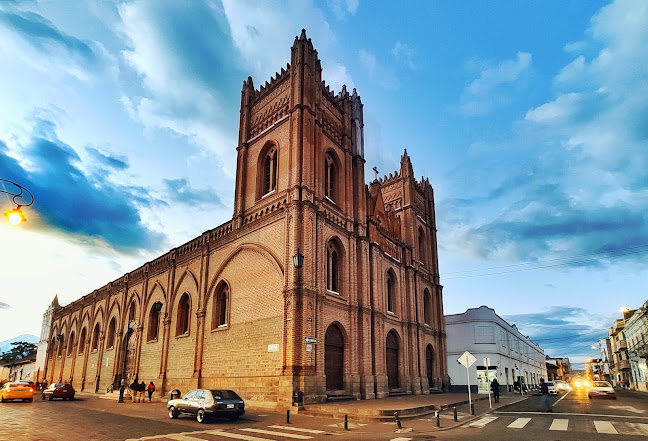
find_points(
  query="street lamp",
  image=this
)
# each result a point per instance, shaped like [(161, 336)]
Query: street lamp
[(16, 216), (298, 259)]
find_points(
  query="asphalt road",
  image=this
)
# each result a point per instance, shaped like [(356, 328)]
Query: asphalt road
[(574, 417)]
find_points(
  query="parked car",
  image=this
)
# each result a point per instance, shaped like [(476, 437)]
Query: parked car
[(16, 390), (551, 387), (601, 389), (205, 404), (64, 391), (562, 385)]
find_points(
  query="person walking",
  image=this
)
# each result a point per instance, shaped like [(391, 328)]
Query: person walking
[(141, 393), (545, 404), (150, 388), (134, 387), (495, 389)]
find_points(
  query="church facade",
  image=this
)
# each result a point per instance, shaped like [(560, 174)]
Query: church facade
[(319, 286)]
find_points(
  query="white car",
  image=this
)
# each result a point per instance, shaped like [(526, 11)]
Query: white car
[(553, 390), (562, 385), (601, 389)]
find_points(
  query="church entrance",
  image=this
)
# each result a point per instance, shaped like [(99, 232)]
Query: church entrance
[(334, 358), (392, 361), (129, 357), (429, 363)]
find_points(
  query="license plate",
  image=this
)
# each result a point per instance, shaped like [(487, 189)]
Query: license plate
[(230, 406)]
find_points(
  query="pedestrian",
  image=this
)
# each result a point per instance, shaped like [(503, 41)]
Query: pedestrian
[(627, 383), (134, 387), (545, 404), (142, 393), (495, 389), (150, 388)]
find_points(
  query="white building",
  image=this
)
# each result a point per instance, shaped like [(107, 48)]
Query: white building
[(39, 365), (636, 335), (483, 333)]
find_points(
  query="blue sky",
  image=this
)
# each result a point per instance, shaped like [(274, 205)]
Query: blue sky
[(530, 120)]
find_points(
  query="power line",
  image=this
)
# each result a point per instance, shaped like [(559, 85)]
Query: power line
[(550, 260), (542, 266)]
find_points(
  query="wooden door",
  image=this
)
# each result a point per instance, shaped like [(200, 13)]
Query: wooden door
[(334, 358), (429, 364), (392, 361)]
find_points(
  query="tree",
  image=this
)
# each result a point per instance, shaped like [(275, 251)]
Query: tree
[(19, 351)]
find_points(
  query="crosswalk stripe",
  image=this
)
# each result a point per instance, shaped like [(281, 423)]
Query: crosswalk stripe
[(482, 422), (604, 427), (559, 425), (401, 439), (637, 429), (180, 437), (297, 429), (519, 423), (239, 436), (270, 432)]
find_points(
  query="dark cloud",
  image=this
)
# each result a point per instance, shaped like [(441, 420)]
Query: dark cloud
[(4, 305), (75, 202), (180, 191), (42, 33), (107, 160)]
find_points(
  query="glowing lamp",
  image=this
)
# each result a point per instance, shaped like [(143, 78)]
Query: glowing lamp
[(15, 216)]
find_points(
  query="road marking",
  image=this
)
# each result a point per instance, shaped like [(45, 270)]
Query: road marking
[(482, 422), (628, 408), (351, 425), (575, 414), (270, 432), (180, 436), (604, 427), (558, 400), (297, 429), (637, 429), (519, 423), (559, 425), (400, 439), (237, 436)]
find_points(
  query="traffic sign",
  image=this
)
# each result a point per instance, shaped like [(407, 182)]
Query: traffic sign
[(310, 340), (467, 359)]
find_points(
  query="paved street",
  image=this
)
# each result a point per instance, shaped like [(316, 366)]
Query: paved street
[(574, 417)]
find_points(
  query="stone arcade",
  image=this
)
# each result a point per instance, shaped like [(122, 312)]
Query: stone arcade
[(362, 317)]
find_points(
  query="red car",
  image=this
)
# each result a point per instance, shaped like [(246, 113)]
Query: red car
[(59, 390)]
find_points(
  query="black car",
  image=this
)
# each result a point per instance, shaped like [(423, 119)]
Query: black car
[(207, 403)]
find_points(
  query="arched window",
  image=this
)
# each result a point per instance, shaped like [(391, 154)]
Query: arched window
[(330, 175), (421, 245), (220, 306), (391, 288), (153, 324), (82, 340), (427, 307), (70, 347), (59, 350), (182, 319), (95, 337), (52, 347), (270, 170), (332, 268), (110, 340), (131, 312)]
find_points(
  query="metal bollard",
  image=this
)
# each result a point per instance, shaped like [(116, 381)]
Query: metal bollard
[(438, 418), (398, 423), (288, 416), (346, 422), (472, 409), (455, 413)]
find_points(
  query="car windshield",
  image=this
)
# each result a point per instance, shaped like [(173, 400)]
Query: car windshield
[(225, 395), (58, 386), (601, 384), (18, 384), (549, 383)]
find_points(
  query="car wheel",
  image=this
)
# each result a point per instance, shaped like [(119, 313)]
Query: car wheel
[(173, 413), (51, 398), (200, 416), (2, 399), (29, 400), (44, 397), (589, 396), (72, 398)]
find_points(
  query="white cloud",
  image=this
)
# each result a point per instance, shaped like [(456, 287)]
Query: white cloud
[(483, 93), (405, 54), (377, 72), (558, 109), (573, 71), (341, 8)]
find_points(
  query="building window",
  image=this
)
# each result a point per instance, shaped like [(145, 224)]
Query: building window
[(220, 306), (421, 245), (330, 176), (332, 268), (182, 320), (131, 312), (70, 347), (110, 341), (391, 288), (153, 324), (82, 340), (270, 171), (95, 337), (484, 334), (427, 307)]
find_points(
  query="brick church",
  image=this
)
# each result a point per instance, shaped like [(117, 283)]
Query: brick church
[(320, 286)]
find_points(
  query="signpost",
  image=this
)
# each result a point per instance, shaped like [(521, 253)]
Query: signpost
[(467, 359), (487, 363)]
